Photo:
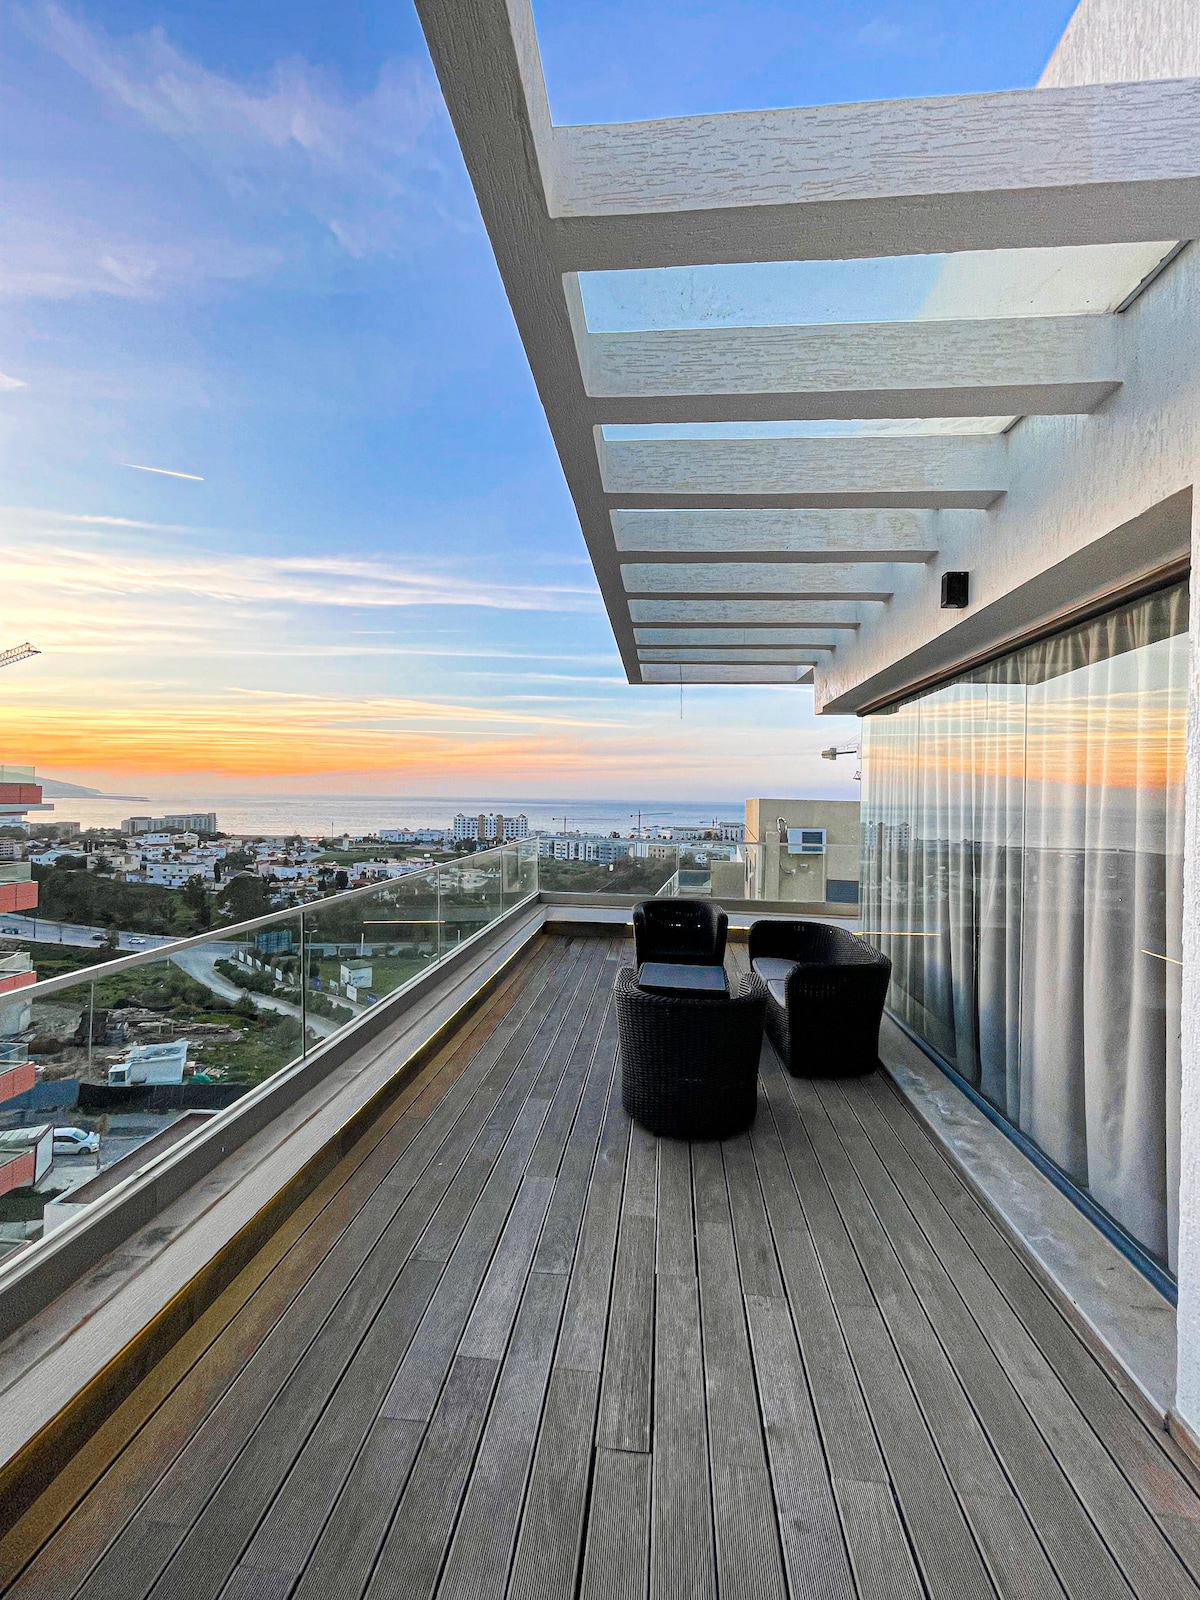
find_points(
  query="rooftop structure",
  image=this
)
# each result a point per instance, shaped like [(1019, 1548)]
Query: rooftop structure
[(422, 1310), (779, 503)]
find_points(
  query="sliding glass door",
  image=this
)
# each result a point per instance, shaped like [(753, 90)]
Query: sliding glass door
[(1023, 867)]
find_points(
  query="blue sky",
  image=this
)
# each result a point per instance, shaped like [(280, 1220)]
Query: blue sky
[(238, 242)]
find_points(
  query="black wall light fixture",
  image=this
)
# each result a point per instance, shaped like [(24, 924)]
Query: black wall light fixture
[(956, 590)]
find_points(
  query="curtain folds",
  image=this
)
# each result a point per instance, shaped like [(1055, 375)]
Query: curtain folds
[(1023, 867)]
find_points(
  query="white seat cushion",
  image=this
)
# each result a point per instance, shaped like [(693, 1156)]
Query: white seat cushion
[(773, 969), (777, 989)]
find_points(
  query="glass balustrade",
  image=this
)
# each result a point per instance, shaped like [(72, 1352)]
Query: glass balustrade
[(119, 1050)]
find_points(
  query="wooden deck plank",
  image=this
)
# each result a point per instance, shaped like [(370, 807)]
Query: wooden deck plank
[(615, 1561), (948, 1556), (624, 1422), (355, 1272), (814, 1548), (930, 1248), (682, 1549), (747, 1533), (551, 1530), (481, 1289), (803, 1363), (1148, 1458), (146, 1431), (481, 1553), (989, 1471)]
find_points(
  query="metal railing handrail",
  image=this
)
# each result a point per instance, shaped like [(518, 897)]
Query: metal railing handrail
[(107, 969)]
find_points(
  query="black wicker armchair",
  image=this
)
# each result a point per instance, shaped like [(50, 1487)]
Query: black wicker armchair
[(689, 1063), (825, 996), (688, 932)]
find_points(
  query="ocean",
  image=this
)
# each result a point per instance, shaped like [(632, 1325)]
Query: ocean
[(322, 815)]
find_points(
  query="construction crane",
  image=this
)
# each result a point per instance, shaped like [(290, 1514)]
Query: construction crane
[(19, 652)]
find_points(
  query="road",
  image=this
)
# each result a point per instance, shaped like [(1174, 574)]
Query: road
[(200, 963), (43, 930)]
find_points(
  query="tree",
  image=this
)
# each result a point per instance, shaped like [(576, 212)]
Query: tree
[(245, 897), (195, 898)]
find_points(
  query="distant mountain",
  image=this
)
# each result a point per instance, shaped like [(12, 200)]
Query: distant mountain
[(55, 789)]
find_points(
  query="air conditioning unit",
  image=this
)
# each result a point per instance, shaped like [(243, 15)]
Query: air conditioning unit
[(806, 841)]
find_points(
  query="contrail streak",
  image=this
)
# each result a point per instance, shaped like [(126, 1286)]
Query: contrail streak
[(164, 472)]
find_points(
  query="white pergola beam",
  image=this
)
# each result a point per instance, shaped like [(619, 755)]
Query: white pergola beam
[(933, 472), (1093, 164), (817, 612), (811, 535), (760, 579), (1018, 366), (1052, 167), (767, 656), (739, 638), (654, 672)]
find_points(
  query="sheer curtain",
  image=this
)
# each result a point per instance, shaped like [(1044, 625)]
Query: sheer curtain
[(1023, 868)]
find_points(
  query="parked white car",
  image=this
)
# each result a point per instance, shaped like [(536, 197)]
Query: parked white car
[(75, 1142)]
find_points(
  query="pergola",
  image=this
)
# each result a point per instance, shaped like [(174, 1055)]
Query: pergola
[(743, 559)]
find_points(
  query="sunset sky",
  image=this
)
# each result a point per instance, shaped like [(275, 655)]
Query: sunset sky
[(237, 244)]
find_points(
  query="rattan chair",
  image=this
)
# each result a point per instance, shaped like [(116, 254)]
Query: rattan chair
[(690, 932), (689, 1062), (825, 996)]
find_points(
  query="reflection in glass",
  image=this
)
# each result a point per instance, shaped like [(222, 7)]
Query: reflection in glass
[(1023, 867)]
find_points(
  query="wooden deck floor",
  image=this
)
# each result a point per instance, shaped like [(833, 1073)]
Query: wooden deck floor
[(517, 1347)]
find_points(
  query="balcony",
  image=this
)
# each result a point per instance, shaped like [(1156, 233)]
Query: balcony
[(442, 1321)]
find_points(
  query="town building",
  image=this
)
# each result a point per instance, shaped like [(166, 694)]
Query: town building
[(201, 822), (803, 850)]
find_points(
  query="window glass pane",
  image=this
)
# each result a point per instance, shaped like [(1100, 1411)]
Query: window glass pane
[(1023, 868)]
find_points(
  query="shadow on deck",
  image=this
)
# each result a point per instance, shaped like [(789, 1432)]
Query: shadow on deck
[(514, 1346)]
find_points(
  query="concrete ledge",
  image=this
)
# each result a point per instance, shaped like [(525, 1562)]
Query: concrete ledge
[(164, 1244), (1121, 1317), (604, 912)]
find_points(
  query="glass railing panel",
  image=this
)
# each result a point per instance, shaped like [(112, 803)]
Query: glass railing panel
[(527, 867), (642, 875), (470, 897), (156, 1035), (362, 947)]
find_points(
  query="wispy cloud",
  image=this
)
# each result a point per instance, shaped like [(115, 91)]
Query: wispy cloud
[(250, 580), (880, 37), (295, 138), (10, 383), (58, 258)]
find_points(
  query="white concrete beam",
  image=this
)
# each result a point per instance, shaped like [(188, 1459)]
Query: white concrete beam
[(811, 535), (760, 579), (740, 638), (765, 657), (486, 58), (818, 612), (934, 472), (1096, 164), (716, 673), (1018, 366)]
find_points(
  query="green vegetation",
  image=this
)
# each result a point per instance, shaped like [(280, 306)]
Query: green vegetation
[(243, 897), (71, 894), (257, 982), (269, 1040), (50, 960), (322, 1006)]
